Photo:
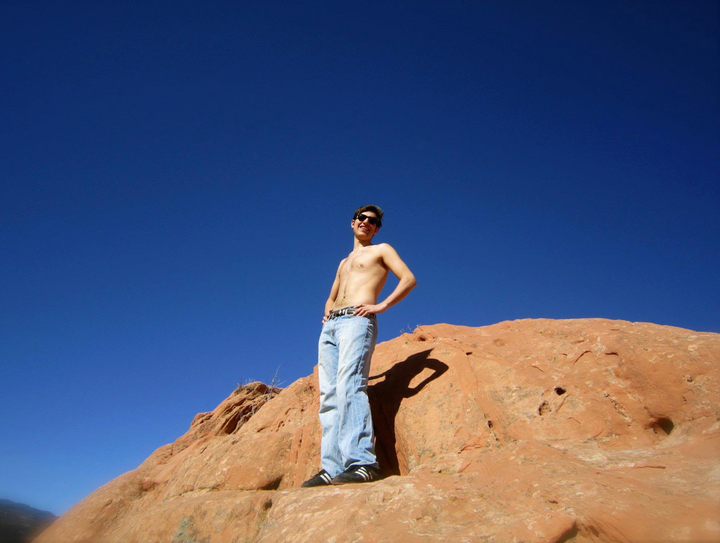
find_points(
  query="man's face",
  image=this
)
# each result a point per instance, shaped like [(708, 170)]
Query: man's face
[(361, 224)]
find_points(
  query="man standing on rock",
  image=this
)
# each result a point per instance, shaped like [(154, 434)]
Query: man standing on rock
[(346, 345)]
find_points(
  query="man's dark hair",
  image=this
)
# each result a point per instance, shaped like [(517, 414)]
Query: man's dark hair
[(375, 209)]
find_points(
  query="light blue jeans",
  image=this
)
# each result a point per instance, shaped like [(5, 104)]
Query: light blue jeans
[(344, 351)]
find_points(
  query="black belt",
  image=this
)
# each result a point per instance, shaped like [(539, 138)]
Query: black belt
[(335, 313)]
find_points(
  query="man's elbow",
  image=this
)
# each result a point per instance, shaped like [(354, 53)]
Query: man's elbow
[(411, 282)]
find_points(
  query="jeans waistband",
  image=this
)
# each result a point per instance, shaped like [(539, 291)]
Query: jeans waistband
[(335, 313)]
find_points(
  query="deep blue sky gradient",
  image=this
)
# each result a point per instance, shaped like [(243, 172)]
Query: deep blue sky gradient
[(178, 181)]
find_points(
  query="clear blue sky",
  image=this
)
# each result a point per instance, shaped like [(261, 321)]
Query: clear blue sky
[(178, 180)]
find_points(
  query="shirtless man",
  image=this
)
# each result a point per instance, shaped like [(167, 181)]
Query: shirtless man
[(346, 345)]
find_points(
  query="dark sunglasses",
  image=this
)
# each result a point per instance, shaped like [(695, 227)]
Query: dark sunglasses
[(372, 220)]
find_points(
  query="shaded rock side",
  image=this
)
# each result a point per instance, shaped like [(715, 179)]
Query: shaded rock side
[(19, 523), (585, 430)]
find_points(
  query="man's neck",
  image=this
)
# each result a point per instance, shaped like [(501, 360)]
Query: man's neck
[(361, 243)]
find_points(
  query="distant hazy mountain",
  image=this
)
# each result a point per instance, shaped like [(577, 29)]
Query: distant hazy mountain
[(20, 523)]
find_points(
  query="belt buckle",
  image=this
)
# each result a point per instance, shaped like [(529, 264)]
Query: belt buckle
[(341, 312)]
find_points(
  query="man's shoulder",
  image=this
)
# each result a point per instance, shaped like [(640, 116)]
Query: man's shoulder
[(385, 249), (383, 246)]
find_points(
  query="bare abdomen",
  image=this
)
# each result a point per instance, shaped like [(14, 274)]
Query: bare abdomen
[(356, 288)]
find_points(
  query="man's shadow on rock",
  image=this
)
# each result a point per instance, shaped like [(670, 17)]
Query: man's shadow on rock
[(386, 397)]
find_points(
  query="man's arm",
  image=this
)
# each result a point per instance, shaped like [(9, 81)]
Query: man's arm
[(333, 293), (407, 282)]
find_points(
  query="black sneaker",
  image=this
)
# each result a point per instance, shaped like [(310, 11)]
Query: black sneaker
[(357, 474), (321, 478)]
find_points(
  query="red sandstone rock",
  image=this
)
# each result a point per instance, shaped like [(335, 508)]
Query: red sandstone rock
[(531, 430)]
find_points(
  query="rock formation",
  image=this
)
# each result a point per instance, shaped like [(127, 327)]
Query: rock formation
[(584, 430)]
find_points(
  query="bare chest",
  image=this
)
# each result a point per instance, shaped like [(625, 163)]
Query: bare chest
[(361, 263)]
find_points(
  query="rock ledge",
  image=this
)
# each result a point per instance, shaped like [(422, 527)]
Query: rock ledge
[(531, 430)]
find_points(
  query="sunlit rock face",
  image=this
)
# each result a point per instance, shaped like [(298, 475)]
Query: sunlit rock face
[(532, 430)]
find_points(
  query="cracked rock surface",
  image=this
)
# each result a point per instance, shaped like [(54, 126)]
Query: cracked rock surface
[(586, 430)]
